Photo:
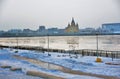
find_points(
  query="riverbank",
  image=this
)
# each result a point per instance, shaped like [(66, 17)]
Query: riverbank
[(29, 68), (82, 67), (62, 68), (83, 52), (42, 35)]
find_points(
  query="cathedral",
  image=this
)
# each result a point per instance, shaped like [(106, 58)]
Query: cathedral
[(72, 28)]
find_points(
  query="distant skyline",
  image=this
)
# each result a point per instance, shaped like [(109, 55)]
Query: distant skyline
[(20, 14)]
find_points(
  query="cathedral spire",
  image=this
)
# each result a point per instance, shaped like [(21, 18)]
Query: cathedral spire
[(73, 22), (68, 24), (77, 24), (72, 28)]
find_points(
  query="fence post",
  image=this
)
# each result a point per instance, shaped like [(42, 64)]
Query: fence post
[(112, 56)]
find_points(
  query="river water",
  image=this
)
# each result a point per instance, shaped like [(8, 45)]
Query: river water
[(105, 42)]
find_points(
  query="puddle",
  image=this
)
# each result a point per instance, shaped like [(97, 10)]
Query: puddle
[(41, 63)]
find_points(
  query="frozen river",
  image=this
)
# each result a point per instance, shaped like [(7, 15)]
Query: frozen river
[(105, 42)]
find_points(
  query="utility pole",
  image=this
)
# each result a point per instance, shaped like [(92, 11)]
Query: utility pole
[(39, 46), (97, 59), (97, 43), (16, 42), (48, 44)]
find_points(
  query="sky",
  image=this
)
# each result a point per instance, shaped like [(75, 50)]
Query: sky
[(20, 14)]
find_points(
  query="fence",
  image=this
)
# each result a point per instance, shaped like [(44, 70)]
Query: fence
[(83, 52)]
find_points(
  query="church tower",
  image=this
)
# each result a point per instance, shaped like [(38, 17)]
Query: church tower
[(73, 22), (72, 28)]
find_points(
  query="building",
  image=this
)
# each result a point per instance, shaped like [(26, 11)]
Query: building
[(53, 31), (61, 31), (87, 30), (111, 27), (72, 28), (15, 31), (41, 29), (1, 32), (28, 31)]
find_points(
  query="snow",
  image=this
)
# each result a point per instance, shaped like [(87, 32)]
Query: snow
[(85, 64), (7, 74)]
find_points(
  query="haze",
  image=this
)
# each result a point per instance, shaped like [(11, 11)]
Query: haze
[(20, 14)]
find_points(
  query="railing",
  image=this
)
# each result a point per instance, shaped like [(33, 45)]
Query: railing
[(101, 53), (83, 52)]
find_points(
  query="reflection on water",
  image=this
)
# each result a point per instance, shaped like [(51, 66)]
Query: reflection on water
[(41, 63), (106, 42)]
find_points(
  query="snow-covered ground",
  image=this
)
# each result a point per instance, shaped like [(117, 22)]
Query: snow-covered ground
[(7, 74), (85, 64)]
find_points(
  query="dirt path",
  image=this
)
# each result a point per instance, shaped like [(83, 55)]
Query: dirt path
[(61, 68)]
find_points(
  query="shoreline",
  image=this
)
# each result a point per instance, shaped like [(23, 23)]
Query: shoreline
[(87, 34), (83, 52), (34, 60)]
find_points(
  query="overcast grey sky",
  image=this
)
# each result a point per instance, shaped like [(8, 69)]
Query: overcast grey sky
[(57, 13)]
